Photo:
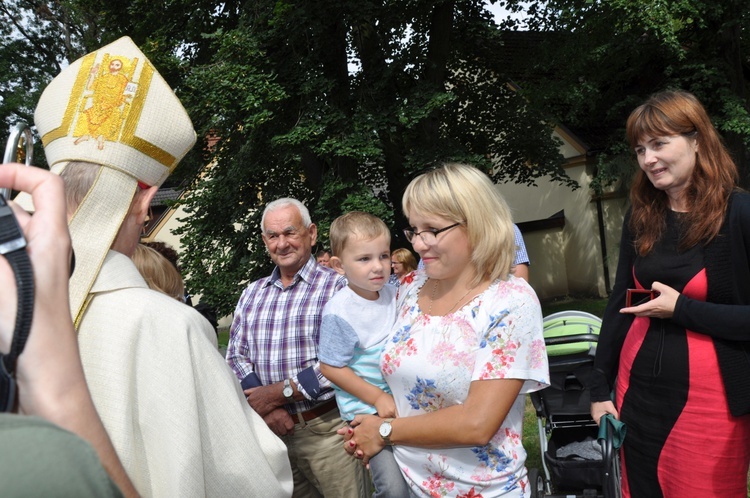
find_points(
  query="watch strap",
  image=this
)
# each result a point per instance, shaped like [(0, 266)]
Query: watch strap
[(13, 248)]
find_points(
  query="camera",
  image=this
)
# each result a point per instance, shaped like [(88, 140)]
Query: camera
[(636, 297)]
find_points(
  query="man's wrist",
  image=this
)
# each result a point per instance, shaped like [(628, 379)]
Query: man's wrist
[(287, 391)]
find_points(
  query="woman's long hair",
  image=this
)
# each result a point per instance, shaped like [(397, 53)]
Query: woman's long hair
[(713, 179)]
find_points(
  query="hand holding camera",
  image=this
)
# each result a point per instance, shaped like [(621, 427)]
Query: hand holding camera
[(636, 297), (47, 244), (49, 374)]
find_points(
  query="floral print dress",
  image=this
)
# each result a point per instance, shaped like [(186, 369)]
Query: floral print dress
[(429, 363)]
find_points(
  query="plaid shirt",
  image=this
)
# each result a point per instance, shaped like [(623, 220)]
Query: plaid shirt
[(276, 330), (521, 255)]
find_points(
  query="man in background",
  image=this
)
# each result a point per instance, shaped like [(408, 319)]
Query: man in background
[(273, 349)]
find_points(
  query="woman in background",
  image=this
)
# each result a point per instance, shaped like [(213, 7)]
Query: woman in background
[(158, 272), (679, 362), (323, 257), (403, 262)]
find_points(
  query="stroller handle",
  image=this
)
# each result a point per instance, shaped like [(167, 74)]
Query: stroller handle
[(608, 448), (611, 434), (569, 339)]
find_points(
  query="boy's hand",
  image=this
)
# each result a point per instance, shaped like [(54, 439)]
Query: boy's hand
[(385, 406)]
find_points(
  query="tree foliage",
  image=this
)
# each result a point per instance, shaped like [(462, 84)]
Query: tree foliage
[(602, 59), (337, 102), (340, 104)]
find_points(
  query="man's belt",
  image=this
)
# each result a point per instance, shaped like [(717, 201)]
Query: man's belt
[(316, 411)]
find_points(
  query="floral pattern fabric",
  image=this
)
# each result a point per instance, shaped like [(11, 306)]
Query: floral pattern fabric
[(429, 363)]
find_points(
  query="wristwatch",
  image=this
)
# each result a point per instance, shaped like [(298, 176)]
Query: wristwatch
[(385, 431), (288, 392)]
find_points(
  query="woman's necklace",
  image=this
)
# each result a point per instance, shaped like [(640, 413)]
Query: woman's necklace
[(432, 298)]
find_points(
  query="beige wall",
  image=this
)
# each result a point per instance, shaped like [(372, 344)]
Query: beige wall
[(564, 261), (567, 261), (163, 233), (548, 273)]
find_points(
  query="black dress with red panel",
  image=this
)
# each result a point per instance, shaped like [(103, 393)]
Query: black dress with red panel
[(682, 439)]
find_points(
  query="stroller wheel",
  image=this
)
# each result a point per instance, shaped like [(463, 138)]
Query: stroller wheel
[(536, 481)]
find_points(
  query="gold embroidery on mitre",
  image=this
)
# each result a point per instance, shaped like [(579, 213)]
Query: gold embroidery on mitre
[(70, 110), (106, 100), (128, 133), (106, 103)]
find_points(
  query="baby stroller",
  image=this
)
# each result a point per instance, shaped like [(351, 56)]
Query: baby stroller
[(578, 460)]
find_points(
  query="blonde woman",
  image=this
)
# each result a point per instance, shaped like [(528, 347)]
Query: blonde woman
[(158, 272), (403, 262), (466, 345)]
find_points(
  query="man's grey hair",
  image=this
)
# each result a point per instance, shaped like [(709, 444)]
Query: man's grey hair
[(78, 177), (282, 203)]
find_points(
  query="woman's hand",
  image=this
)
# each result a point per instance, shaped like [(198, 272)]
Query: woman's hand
[(661, 306), (362, 438), (601, 408)]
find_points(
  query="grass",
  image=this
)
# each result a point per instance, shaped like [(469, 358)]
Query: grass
[(595, 306), (531, 438), (223, 338)]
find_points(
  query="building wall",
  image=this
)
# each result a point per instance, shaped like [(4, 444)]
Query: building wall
[(570, 260), (163, 232), (564, 261), (548, 273)]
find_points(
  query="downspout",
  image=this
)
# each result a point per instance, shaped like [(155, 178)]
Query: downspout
[(600, 219)]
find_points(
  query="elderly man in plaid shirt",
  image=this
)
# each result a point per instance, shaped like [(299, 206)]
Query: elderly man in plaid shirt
[(273, 350)]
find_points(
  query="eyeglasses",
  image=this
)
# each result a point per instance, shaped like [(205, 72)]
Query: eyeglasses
[(394, 263), (429, 235)]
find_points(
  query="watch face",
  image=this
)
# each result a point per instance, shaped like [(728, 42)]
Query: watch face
[(288, 392), (385, 429)]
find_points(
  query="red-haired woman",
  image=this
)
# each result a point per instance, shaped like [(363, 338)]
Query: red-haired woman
[(680, 363)]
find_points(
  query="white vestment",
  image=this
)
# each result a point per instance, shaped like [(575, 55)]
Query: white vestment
[(172, 407)]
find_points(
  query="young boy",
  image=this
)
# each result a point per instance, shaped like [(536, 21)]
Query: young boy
[(355, 325)]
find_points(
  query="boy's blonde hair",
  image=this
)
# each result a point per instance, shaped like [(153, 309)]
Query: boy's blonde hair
[(158, 272), (463, 194), (358, 224)]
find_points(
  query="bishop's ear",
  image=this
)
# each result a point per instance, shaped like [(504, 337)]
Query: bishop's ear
[(142, 202)]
